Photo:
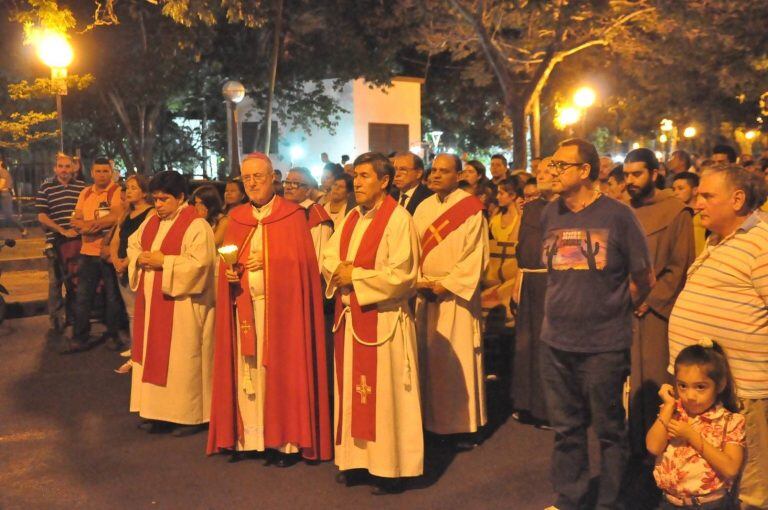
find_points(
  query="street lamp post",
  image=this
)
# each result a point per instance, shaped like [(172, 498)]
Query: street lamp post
[(233, 92), (55, 51)]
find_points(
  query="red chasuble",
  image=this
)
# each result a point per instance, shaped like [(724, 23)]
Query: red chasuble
[(447, 222), (364, 325), (296, 403), (316, 214), (154, 351)]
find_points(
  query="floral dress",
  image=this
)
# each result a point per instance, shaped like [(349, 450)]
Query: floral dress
[(681, 471)]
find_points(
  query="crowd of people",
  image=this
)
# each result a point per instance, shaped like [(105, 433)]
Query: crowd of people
[(356, 318)]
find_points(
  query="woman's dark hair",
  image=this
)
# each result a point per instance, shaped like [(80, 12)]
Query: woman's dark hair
[(512, 186), (237, 182), (211, 199), (170, 182), (348, 181), (714, 362), (479, 168)]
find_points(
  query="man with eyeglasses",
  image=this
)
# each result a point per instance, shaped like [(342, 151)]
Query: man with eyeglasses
[(297, 187), (269, 377), (408, 189), (598, 265)]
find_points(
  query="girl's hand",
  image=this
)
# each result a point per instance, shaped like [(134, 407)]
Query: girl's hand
[(667, 394), (682, 430)]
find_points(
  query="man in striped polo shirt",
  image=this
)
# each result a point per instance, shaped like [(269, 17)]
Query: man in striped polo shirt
[(726, 299), (55, 203)]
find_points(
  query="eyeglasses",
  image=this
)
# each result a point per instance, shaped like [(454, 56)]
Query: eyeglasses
[(558, 167), (294, 184), (254, 177)]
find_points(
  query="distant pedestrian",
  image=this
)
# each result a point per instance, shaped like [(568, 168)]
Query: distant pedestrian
[(6, 198)]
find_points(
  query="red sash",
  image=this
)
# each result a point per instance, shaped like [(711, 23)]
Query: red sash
[(449, 221), (160, 329), (316, 214), (364, 325)]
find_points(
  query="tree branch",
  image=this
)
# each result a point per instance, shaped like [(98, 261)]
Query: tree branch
[(492, 53)]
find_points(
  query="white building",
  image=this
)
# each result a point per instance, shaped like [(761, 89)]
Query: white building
[(374, 119)]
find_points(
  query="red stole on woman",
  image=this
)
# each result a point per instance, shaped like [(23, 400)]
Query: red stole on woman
[(160, 328), (296, 406), (364, 327)]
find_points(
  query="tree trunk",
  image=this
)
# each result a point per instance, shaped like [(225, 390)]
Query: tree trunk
[(536, 127), (273, 73), (516, 112)]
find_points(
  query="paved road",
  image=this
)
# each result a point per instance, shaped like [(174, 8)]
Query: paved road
[(68, 441)]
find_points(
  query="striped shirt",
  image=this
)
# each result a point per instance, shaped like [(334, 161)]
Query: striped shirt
[(726, 299), (58, 202)]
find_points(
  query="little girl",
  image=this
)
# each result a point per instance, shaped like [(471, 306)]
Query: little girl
[(698, 439)]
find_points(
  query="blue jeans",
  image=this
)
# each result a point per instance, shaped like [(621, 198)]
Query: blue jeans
[(92, 270), (582, 390)]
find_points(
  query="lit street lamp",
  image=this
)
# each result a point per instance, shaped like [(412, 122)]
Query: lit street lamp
[(55, 51), (567, 116), (689, 132), (583, 98), (233, 92)]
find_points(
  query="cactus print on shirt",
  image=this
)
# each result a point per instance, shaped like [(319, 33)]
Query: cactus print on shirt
[(576, 249)]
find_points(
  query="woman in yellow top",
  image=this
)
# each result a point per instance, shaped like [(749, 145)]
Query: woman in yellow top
[(504, 226)]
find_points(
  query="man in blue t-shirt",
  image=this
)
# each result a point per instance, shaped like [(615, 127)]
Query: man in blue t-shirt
[(598, 265)]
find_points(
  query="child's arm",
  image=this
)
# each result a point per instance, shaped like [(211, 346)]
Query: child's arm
[(726, 463), (657, 438)]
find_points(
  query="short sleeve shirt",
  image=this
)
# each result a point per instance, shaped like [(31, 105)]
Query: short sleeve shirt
[(681, 471), (58, 201), (94, 205), (589, 256)]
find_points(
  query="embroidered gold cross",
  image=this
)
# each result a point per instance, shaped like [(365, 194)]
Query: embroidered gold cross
[(363, 389), (436, 231), (245, 327)]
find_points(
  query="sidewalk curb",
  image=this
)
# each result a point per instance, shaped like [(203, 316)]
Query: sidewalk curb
[(19, 310)]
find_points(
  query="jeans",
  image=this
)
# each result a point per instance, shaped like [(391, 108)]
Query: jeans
[(580, 390), (61, 308), (6, 210), (92, 269), (129, 300)]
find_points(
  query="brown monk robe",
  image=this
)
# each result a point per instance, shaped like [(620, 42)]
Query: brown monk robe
[(668, 226)]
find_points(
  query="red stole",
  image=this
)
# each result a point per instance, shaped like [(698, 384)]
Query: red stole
[(160, 329), (447, 222), (296, 403), (364, 325), (316, 214)]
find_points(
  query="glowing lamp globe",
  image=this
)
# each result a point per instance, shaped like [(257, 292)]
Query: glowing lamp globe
[(569, 116), (584, 97), (54, 50), (233, 91), (689, 132), (751, 134)]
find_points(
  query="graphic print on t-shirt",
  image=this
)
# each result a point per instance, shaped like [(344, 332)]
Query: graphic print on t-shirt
[(579, 249)]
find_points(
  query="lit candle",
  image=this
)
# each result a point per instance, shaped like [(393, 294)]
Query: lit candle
[(229, 254)]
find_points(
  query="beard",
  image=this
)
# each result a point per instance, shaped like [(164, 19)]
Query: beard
[(639, 194)]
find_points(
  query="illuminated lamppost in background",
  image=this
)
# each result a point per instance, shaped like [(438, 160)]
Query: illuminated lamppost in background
[(689, 133), (667, 134), (566, 117), (583, 98), (233, 92), (55, 51)]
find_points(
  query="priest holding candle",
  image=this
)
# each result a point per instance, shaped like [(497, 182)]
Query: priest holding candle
[(270, 388)]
